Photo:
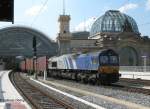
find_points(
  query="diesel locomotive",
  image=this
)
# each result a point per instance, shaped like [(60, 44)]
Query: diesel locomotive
[(101, 67)]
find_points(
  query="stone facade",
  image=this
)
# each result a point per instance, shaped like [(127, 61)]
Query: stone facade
[(130, 47), (64, 35)]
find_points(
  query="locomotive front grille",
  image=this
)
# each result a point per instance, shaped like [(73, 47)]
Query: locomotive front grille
[(108, 69)]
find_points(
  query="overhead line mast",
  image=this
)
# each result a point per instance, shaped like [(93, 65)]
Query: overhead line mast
[(64, 7)]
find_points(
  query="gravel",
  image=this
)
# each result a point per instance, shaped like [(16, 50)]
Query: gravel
[(119, 94), (104, 103), (123, 95)]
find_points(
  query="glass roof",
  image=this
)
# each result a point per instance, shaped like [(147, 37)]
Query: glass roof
[(18, 41), (114, 21)]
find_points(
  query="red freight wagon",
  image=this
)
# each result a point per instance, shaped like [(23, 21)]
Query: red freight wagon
[(22, 65), (42, 63), (29, 64)]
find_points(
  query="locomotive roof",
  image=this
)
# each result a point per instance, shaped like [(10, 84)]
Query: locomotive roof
[(103, 51)]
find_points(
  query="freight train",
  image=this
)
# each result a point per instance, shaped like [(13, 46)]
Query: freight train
[(95, 67)]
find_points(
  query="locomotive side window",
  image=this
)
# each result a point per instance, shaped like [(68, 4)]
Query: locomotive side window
[(104, 59), (54, 64)]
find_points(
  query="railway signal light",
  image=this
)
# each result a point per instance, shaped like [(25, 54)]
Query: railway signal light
[(7, 10)]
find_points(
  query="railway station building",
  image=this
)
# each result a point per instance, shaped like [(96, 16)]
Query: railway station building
[(113, 30)]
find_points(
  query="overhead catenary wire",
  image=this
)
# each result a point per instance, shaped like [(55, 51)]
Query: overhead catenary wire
[(42, 7)]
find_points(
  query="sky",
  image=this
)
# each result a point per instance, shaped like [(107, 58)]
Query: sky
[(43, 14)]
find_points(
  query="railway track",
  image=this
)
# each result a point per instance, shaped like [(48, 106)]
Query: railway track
[(130, 89), (100, 95), (135, 81), (127, 87), (132, 85), (37, 98)]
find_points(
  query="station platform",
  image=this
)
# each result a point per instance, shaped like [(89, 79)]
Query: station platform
[(9, 97), (135, 75)]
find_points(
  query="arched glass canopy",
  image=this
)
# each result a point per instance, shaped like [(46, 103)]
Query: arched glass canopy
[(18, 41)]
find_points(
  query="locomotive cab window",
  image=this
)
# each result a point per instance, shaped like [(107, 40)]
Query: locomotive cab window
[(54, 64), (104, 59), (113, 59)]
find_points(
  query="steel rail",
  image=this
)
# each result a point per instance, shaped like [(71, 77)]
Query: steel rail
[(37, 98)]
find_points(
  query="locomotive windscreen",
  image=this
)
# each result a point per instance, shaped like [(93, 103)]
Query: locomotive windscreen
[(113, 59), (108, 57), (104, 59)]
